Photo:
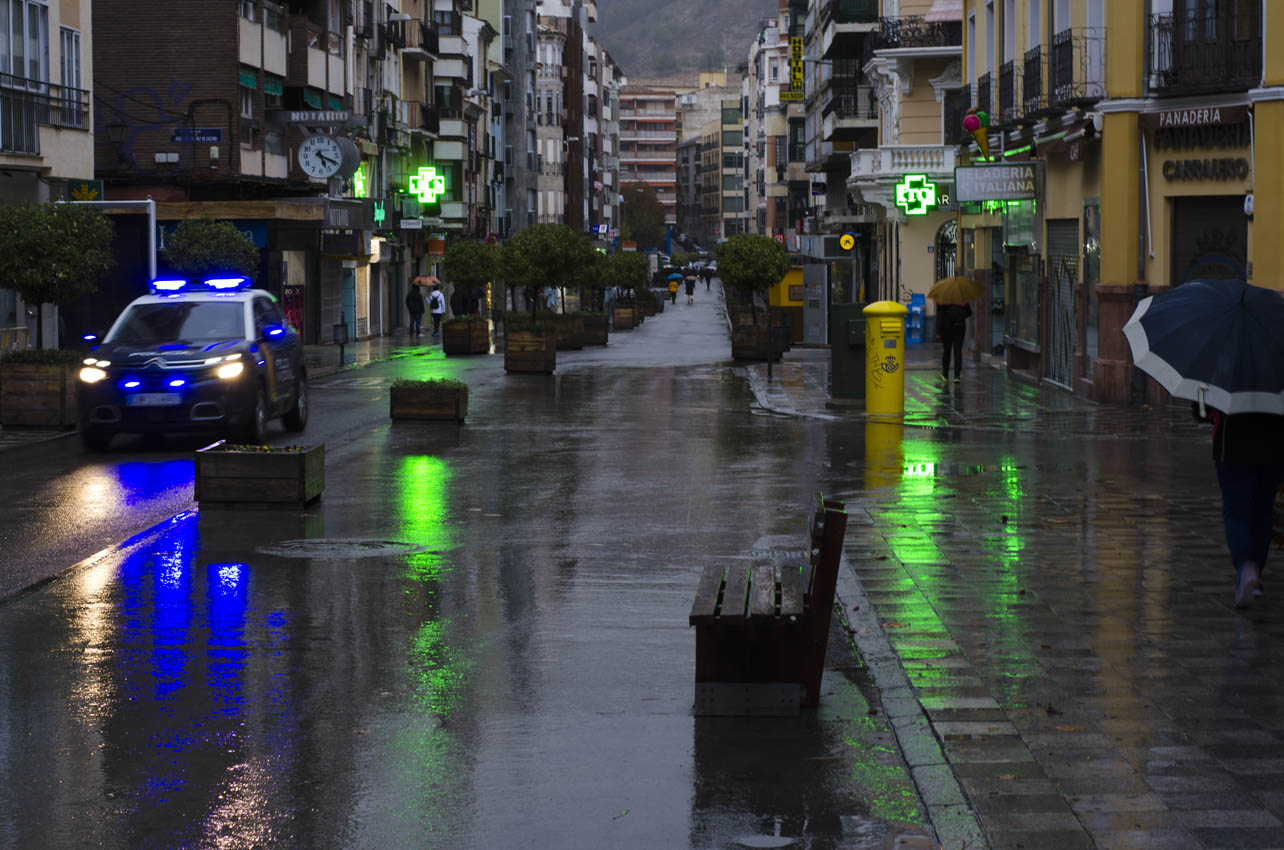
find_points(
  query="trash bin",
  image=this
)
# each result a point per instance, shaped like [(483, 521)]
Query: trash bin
[(885, 358), (846, 351)]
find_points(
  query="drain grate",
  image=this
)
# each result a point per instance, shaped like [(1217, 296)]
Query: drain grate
[(338, 548)]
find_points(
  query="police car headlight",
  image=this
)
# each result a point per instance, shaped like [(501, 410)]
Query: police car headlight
[(230, 370), (92, 374)]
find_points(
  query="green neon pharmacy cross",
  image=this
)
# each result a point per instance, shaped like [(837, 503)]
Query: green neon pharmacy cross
[(915, 194), (428, 185)]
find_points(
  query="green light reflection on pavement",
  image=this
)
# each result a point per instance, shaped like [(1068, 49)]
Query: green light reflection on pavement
[(422, 484)]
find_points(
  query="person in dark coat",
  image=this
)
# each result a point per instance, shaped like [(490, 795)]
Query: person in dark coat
[(707, 274), (415, 309), (951, 327), (1249, 456)]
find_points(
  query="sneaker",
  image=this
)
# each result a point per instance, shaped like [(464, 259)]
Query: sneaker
[(1260, 590), (1249, 579)]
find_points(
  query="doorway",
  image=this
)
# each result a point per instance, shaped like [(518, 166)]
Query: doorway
[(1209, 239)]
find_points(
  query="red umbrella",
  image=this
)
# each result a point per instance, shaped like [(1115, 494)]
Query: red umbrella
[(425, 279)]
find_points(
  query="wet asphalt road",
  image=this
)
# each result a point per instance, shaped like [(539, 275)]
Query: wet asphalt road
[(516, 671)]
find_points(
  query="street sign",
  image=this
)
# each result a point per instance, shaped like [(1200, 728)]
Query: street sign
[(1016, 181), (847, 241), (197, 135), (791, 95)]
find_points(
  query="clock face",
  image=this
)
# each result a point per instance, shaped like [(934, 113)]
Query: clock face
[(320, 156)]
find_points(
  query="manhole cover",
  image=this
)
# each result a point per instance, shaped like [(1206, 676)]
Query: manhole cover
[(322, 547)]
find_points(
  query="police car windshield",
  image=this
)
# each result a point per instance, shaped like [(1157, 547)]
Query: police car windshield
[(180, 321)]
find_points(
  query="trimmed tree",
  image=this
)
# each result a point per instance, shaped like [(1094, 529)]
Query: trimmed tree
[(54, 253), (627, 270), (544, 255), (470, 264), (201, 246), (641, 215), (748, 264)]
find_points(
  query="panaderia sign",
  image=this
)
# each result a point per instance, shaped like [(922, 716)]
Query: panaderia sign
[(1016, 181)]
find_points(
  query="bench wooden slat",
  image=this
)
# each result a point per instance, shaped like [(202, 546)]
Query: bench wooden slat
[(791, 591), (735, 595), (762, 591), (705, 607)]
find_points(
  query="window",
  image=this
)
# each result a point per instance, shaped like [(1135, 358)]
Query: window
[(797, 142), (70, 58), (736, 204), (971, 47), (1009, 30), (782, 148), (1033, 35), (731, 115), (732, 138), (773, 70), (247, 9), (24, 39), (989, 37), (273, 87)]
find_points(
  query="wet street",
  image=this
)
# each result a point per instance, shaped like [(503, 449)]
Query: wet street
[(478, 637)]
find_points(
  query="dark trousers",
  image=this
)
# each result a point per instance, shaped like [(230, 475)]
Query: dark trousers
[(1248, 502), (416, 322), (436, 324), (952, 342)]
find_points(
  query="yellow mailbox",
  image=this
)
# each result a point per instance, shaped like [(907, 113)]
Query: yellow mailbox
[(885, 358)]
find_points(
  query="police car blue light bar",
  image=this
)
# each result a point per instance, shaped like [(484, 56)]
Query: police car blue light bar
[(168, 285), (227, 282)]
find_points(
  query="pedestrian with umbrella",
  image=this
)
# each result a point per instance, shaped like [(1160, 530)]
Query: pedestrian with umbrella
[(953, 308), (673, 287), (1218, 344), (415, 308)]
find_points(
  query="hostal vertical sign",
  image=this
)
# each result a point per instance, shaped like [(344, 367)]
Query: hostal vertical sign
[(796, 81)]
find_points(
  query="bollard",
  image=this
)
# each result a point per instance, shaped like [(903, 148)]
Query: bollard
[(885, 358)]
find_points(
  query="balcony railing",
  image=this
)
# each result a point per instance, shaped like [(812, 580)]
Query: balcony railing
[(1194, 54), (897, 160), (852, 11), (852, 103), (984, 100), (418, 35), (429, 118), (1032, 98), (1078, 69), (916, 31), (26, 105), (1009, 101), (394, 35)]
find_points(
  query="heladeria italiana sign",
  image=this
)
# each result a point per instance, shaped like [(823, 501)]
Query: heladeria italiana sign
[(1015, 181)]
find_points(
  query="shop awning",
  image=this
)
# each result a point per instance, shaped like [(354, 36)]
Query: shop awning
[(336, 103), (249, 79), (273, 85), (312, 98), (945, 10)]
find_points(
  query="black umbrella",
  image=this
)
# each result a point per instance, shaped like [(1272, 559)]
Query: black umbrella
[(1214, 341)]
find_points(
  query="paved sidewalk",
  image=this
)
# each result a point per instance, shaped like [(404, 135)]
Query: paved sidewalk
[(1046, 600)]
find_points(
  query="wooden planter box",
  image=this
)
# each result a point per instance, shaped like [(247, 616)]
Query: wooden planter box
[(38, 394), (449, 404), (649, 308), (622, 316), (570, 332), (530, 351), (465, 338), (659, 302), (596, 330), (226, 477)]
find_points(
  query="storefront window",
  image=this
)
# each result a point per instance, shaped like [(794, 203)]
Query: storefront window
[(1091, 277), (1023, 300)]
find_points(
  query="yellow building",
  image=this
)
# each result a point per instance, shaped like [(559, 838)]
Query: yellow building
[(1135, 160)]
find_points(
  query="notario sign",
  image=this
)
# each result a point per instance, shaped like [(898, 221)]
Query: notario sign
[(1017, 181)]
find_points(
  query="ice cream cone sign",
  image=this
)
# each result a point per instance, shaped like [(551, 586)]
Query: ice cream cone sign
[(977, 123)]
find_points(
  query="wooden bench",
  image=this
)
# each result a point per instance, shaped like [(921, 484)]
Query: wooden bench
[(762, 628)]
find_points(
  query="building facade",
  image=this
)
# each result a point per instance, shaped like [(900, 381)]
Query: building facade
[(648, 142)]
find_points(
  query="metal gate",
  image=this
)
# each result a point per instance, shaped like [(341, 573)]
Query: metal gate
[(1063, 274)]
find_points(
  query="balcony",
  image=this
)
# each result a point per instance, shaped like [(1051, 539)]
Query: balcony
[(1215, 52), (393, 35), (27, 105), (425, 119), (844, 24), (1009, 100), (1078, 69), (924, 37), (892, 162), (1032, 97), (956, 104), (419, 40), (984, 97), (849, 113)]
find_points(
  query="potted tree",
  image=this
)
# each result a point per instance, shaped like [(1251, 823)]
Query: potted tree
[(201, 246), (748, 264), (470, 265), (540, 256), (54, 254), (239, 476), (432, 399)]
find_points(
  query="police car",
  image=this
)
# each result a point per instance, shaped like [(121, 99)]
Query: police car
[(213, 355)]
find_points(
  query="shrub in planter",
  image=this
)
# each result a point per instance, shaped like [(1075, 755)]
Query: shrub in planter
[(432, 399), (465, 335), (596, 328), (38, 387), (530, 344), (232, 476)]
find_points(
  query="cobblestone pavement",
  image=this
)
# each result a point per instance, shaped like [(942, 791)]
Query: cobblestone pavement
[(1041, 587)]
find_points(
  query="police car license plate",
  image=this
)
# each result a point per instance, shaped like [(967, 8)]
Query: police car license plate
[(155, 399)]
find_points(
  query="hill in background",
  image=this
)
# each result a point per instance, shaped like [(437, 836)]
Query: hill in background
[(661, 38)]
